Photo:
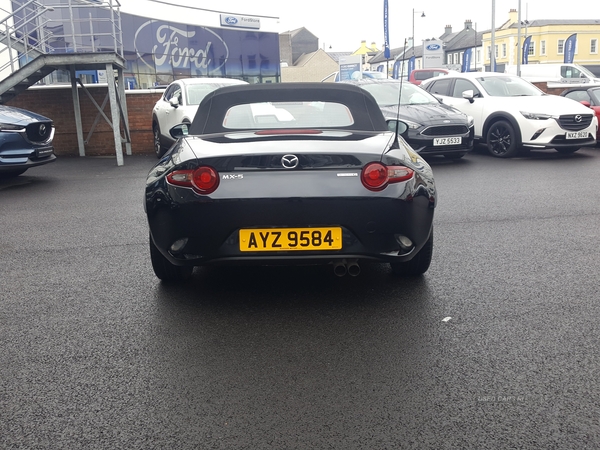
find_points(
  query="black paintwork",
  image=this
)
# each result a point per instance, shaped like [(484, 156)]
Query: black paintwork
[(435, 120), (256, 191)]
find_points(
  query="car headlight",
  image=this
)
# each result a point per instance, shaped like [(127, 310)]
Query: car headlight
[(412, 125), (11, 127), (536, 116), (471, 121)]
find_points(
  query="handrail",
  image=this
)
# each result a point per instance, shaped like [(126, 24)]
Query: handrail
[(31, 29)]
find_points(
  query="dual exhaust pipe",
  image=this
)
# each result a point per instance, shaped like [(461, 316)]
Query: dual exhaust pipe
[(343, 267)]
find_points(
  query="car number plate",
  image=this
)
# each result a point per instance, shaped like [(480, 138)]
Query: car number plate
[(577, 134), (447, 141), (288, 239), (41, 152)]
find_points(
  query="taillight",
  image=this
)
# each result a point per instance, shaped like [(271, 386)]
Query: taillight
[(376, 176), (204, 180)]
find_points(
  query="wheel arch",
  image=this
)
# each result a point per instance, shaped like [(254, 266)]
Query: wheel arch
[(495, 117)]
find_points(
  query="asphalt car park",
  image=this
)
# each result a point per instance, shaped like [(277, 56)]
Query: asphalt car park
[(493, 347)]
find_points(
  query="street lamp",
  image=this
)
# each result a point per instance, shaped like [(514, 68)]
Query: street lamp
[(413, 23)]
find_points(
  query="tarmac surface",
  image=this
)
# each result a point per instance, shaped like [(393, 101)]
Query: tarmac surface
[(495, 347)]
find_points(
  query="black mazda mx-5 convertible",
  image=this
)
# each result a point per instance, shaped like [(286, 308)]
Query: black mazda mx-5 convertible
[(300, 173)]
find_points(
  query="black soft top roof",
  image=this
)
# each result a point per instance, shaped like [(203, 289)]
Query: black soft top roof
[(211, 112)]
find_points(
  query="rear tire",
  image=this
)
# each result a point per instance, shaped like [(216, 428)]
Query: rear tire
[(420, 262), (163, 269), (567, 150), (502, 140)]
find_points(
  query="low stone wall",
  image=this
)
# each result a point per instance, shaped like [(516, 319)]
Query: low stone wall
[(56, 103)]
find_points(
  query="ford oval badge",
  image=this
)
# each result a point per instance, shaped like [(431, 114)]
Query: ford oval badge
[(433, 47), (231, 20)]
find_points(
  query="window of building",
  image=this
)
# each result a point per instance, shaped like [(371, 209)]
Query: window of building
[(478, 56), (504, 50), (561, 47), (594, 46), (496, 50), (531, 48), (542, 48)]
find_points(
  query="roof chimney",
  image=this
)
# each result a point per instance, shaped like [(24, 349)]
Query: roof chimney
[(448, 29), (468, 24)]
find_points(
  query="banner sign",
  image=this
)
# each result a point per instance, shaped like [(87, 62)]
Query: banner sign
[(569, 49), (433, 53), (466, 63), (228, 20), (396, 70), (526, 44), (386, 30), (411, 65)]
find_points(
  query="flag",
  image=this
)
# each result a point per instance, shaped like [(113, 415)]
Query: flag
[(526, 44), (411, 65), (466, 62), (396, 70), (569, 49), (386, 30), (380, 68)]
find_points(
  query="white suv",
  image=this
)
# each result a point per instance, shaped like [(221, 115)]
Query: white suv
[(179, 104), (511, 114)]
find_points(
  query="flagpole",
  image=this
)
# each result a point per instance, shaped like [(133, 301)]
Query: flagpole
[(519, 41)]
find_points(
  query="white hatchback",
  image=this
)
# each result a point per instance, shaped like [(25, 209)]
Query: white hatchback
[(511, 114), (179, 104)]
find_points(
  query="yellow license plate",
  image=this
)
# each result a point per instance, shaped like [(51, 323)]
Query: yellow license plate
[(287, 239)]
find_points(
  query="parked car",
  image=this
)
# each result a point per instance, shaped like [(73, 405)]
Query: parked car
[(290, 173), (512, 114), (433, 127), (178, 104), (25, 140), (417, 76), (588, 96)]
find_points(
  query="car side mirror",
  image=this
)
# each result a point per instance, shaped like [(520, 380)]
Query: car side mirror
[(586, 103), (174, 102), (179, 131), (397, 126), (469, 95)]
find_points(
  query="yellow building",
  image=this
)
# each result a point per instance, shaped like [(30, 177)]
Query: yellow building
[(547, 41)]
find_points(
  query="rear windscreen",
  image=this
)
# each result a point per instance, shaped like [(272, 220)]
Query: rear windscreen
[(287, 115)]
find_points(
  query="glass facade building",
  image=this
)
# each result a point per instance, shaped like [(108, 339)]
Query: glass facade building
[(156, 51)]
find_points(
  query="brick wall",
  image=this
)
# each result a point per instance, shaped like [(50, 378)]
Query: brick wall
[(57, 104)]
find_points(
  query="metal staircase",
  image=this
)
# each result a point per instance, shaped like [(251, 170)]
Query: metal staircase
[(39, 37)]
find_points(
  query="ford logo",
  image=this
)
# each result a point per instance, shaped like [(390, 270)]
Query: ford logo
[(231, 20), (433, 47)]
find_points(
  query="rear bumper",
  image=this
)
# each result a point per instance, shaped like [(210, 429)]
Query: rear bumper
[(370, 228)]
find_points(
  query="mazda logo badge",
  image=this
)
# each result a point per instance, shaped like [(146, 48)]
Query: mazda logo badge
[(289, 161), (578, 118)]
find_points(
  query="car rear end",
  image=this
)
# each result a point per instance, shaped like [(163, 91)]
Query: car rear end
[(302, 199)]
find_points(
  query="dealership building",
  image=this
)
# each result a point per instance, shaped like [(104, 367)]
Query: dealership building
[(158, 41)]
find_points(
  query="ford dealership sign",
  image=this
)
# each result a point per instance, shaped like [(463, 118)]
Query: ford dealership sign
[(228, 20), (433, 53)]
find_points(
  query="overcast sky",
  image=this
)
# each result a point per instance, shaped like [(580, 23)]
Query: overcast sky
[(344, 24)]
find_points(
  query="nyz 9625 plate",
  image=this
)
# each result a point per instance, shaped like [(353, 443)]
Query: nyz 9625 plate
[(288, 239)]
